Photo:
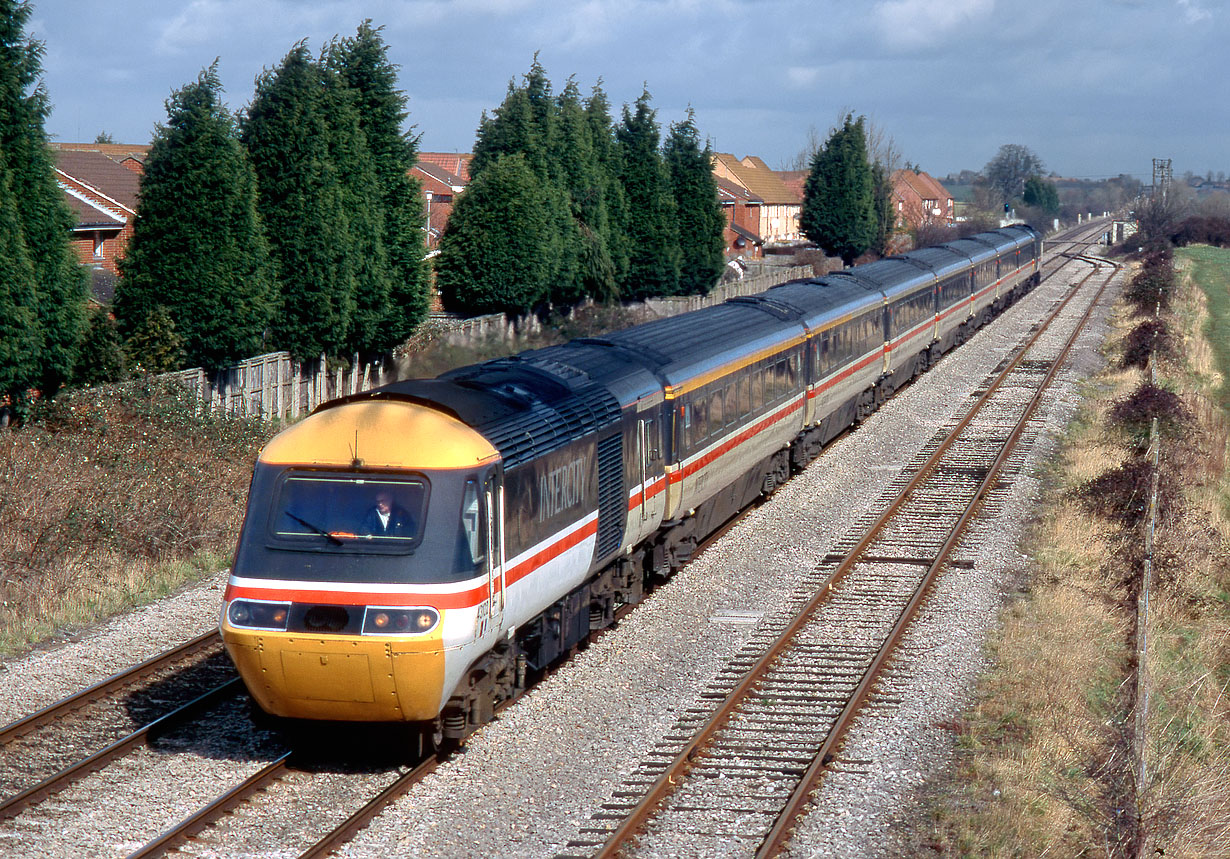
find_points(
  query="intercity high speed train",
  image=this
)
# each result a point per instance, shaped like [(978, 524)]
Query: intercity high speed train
[(413, 552)]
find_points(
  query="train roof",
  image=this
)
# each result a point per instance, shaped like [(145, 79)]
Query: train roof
[(705, 339), (526, 406), (1022, 233), (973, 247), (893, 276), (942, 261), (1007, 238), (821, 300)]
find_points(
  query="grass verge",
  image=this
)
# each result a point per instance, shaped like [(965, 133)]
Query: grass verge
[(1044, 764)]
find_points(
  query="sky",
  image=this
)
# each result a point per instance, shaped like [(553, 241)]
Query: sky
[(1094, 87)]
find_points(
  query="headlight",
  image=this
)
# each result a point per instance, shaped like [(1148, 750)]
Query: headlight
[(258, 615), (399, 621)]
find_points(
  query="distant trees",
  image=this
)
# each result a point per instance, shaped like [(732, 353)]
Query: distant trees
[(361, 63), (494, 259), (1008, 171), (42, 287), (653, 235), (294, 226), (840, 210), (1041, 194), (290, 130), (588, 174)]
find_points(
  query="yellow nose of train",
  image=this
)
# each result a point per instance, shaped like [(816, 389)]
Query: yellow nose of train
[(325, 622), (341, 676)]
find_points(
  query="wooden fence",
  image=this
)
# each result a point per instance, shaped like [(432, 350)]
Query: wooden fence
[(275, 386), (459, 330)]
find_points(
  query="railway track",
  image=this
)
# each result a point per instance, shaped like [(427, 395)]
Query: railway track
[(735, 776), (45, 752)]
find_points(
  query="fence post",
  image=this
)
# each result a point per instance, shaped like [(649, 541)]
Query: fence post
[(322, 383), (1142, 649)]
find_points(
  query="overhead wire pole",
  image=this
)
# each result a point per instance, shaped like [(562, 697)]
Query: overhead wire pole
[(1162, 177)]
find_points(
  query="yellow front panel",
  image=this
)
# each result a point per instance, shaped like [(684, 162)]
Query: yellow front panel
[(316, 675), (346, 677)]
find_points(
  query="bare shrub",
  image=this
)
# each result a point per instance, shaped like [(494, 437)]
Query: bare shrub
[(134, 474), (1136, 412), (1149, 290), (1120, 494), (1203, 230), (1143, 341)]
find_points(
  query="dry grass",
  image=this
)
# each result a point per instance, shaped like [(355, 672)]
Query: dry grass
[(1044, 765), (112, 497)]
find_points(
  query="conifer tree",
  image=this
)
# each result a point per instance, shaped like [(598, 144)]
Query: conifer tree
[(155, 346), (608, 166), (698, 213), (198, 248), (20, 334), (839, 207), (885, 218), (43, 218), (363, 203), (653, 240), (101, 357), (527, 123), (361, 63), (587, 189), (509, 130), (288, 132), (491, 254)]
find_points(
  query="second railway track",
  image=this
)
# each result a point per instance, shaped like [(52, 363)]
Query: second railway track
[(733, 778)]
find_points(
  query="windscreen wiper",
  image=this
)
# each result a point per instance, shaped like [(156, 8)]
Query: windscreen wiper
[(321, 531)]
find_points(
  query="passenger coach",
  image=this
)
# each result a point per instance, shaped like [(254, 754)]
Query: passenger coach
[(534, 494)]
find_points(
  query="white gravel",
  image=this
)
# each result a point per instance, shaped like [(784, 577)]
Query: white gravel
[(530, 782)]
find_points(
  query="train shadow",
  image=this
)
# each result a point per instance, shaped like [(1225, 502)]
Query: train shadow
[(228, 725)]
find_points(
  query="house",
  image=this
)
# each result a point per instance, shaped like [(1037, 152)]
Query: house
[(101, 188), (780, 206), (742, 211), (440, 187), (457, 163), (919, 199)]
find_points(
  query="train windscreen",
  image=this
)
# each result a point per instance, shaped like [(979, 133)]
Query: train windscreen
[(372, 511)]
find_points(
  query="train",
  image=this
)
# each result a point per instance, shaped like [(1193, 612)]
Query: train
[(415, 552)]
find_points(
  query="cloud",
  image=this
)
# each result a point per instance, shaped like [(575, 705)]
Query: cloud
[(919, 23), (1193, 12), (802, 77)]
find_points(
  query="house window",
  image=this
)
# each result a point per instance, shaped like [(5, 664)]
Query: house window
[(98, 246)]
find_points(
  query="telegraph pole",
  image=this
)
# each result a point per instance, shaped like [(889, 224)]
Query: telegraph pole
[(1162, 177)]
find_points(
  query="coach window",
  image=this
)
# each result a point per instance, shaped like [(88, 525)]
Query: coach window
[(732, 406), (745, 387), (757, 382), (792, 374), (717, 412)]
